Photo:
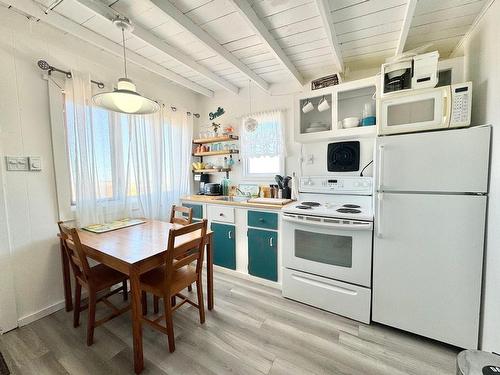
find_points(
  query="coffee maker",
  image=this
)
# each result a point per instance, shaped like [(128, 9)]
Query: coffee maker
[(202, 179)]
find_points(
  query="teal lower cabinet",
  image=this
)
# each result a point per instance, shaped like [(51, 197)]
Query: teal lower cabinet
[(197, 211), (263, 254), (224, 245)]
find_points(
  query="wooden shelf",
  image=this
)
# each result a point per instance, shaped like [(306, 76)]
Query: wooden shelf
[(223, 138), (215, 153), (213, 170)]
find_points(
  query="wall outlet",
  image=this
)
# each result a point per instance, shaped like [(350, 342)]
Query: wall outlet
[(310, 159), (17, 163), (35, 163)]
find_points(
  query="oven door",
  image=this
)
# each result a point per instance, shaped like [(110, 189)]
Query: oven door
[(334, 248), (415, 111)]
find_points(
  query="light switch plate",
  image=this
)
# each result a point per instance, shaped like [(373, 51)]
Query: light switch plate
[(35, 163), (17, 163)]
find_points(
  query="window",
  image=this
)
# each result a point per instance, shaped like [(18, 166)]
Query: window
[(263, 149)]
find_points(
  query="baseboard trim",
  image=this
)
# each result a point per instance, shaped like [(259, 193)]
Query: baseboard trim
[(27, 319), (246, 276), (30, 318)]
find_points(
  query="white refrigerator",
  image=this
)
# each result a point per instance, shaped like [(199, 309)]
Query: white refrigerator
[(430, 213)]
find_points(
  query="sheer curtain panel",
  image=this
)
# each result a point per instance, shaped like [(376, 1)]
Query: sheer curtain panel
[(124, 165)]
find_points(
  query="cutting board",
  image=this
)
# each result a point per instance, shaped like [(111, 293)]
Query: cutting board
[(276, 201)]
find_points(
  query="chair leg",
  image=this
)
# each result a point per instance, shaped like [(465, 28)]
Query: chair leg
[(201, 306), (78, 302), (125, 290), (156, 304), (190, 288), (144, 303), (169, 323), (91, 320)]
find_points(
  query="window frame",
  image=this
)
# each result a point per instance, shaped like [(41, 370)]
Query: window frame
[(246, 175)]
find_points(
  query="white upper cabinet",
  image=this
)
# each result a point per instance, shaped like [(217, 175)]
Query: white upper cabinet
[(341, 111)]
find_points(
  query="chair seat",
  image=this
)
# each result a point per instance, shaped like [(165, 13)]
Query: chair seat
[(104, 277), (154, 280)]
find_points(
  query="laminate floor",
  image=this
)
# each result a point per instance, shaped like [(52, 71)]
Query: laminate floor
[(252, 330)]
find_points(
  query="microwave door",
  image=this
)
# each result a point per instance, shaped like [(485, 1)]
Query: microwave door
[(411, 112)]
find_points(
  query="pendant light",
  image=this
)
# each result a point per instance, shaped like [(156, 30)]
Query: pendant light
[(250, 123), (125, 98)]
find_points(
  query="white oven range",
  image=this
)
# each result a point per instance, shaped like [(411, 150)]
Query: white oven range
[(327, 245)]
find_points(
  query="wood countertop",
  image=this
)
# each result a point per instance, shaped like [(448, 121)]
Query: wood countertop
[(214, 200)]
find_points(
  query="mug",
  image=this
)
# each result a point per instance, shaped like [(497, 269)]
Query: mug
[(308, 107), (323, 105)]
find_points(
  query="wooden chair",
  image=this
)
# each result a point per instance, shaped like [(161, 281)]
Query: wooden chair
[(95, 279), (182, 220), (177, 274), (174, 219)]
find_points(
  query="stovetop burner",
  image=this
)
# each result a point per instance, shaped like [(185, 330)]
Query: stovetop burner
[(303, 207), (310, 204), (349, 211), (351, 206)]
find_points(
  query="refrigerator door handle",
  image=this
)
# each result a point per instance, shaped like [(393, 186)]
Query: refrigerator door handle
[(380, 166), (378, 221)]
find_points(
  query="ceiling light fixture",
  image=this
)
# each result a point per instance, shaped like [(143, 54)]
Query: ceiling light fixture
[(125, 98), (250, 123)]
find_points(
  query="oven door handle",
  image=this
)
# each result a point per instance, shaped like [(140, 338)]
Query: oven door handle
[(352, 225)]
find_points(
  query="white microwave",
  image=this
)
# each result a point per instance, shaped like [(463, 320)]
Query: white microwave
[(426, 109)]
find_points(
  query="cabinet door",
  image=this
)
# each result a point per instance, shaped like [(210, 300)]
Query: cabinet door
[(197, 210), (224, 245), (263, 254)]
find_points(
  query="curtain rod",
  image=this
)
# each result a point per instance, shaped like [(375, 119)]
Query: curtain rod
[(174, 108), (44, 65)]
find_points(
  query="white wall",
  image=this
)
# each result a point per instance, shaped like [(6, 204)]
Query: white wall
[(238, 105), (482, 61), (30, 197)]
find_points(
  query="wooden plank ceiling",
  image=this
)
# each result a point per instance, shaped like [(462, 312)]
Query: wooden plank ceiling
[(366, 30)]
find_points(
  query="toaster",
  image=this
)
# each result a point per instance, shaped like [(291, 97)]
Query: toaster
[(212, 189)]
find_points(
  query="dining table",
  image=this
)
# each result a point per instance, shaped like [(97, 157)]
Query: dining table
[(133, 251)]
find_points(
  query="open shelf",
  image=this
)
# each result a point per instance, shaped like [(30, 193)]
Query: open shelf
[(213, 170), (215, 153), (223, 138)]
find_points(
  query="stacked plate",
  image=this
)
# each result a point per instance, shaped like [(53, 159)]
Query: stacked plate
[(317, 127)]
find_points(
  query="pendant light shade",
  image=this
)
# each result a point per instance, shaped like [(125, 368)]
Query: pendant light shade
[(125, 98)]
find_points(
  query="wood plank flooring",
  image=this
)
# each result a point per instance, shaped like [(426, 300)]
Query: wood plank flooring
[(252, 330)]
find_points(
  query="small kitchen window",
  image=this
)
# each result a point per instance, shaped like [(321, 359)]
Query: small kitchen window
[(263, 145)]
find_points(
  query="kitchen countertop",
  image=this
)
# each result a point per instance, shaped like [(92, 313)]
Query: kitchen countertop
[(214, 200)]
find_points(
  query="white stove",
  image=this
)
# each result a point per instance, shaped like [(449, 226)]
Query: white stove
[(327, 245)]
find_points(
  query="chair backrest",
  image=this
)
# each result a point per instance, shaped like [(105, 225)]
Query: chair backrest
[(188, 249), (74, 250), (182, 220)]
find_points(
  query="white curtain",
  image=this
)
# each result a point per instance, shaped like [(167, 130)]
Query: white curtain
[(268, 139), (124, 165)]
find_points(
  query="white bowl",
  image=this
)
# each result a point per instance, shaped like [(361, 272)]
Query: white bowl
[(350, 122)]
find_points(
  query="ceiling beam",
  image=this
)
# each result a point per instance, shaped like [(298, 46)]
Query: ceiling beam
[(151, 39), (247, 12), (34, 9), (327, 20), (168, 8), (405, 29)]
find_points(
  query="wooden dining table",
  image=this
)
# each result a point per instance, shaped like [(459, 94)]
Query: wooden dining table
[(133, 251)]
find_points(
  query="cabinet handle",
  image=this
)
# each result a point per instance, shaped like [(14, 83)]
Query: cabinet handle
[(271, 242), (221, 214), (261, 220), (230, 234)]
